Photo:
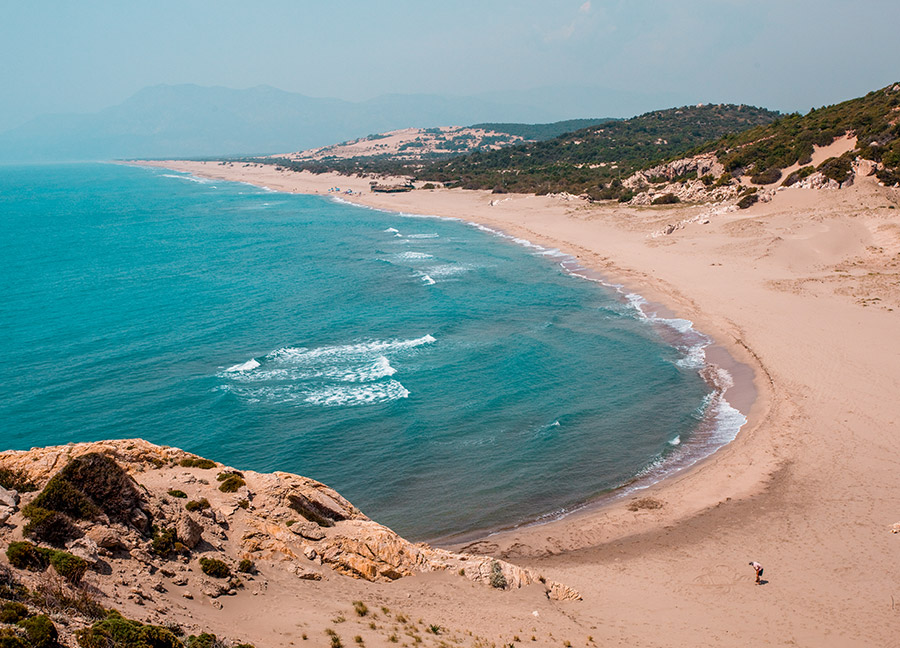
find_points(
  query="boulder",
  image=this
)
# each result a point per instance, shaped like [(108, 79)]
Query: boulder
[(9, 498), (308, 530), (188, 530), (104, 537)]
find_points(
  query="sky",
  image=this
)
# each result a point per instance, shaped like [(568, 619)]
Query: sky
[(64, 56)]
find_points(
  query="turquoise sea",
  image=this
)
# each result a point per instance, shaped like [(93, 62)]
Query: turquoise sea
[(442, 377)]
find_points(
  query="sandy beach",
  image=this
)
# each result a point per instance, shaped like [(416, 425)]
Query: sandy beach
[(805, 290)]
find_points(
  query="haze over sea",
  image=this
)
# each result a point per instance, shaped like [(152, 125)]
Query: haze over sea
[(442, 378)]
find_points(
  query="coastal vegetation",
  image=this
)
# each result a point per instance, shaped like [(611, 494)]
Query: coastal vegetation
[(592, 160), (540, 132), (764, 150), (595, 160)]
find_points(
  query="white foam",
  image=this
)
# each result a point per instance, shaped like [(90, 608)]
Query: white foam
[(676, 441), (422, 236), (694, 358), (448, 270), (428, 281), (414, 256), (391, 229), (246, 366), (379, 368), (302, 355), (331, 396), (189, 178)]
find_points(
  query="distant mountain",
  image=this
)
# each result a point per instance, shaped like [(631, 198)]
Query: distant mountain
[(588, 160), (196, 121)]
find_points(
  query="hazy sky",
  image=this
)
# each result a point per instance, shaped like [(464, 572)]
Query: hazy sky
[(68, 56)]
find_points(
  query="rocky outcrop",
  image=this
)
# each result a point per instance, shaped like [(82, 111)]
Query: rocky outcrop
[(287, 520)]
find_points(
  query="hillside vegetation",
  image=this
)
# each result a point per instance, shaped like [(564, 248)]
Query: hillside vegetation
[(539, 132), (764, 150), (594, 160)]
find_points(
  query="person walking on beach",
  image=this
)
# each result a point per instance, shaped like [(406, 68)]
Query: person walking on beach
[(759, 570)]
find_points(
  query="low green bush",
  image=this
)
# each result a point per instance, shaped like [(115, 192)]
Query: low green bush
[(246, 566), (197, 462), (115, 631), (9, 639), (836, 168), (180, 494), (25, 555), (13, 612), (16, 480), (747, 201), (766, 177), (203, 640), (39, 631), (214, 567), (498, 580), (666, 199), (70, 567), (49, 526), (197, 505), (231, 483), (164, 541)]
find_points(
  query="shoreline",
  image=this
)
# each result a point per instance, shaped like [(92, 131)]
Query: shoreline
[(658, 315), (806, 290)]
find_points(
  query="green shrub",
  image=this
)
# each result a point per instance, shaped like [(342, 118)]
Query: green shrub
[(724, 180), (666, 199), (766, 177), (215, 567), (85, 487), (24, 555), (12, 612), (70, 567), (204, 640), (49, 526), (164, 541), (747, 201), (798, 175), (40, 631), (197, 462), (197, 505), (244, 503), (361, 609), (246, 566), (180, 494), (115, 631), (231, 483), (61, 496), (8, 639), (837, 169), (498, 580), (16, 480)]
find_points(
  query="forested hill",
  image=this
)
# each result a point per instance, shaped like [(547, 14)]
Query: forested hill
[(539, 132), (589, 159), (765, 150)]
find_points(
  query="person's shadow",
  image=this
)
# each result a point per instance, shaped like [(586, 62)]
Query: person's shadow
[(763, 581)]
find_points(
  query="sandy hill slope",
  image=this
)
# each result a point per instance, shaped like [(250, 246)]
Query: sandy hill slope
[(168, 538)]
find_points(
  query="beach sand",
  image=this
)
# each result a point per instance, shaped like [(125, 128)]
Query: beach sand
[(805, 289)]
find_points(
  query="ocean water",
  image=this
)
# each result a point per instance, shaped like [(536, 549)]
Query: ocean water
[(441, 377)]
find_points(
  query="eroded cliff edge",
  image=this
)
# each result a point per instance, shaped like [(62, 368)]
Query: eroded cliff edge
[(150, 520)]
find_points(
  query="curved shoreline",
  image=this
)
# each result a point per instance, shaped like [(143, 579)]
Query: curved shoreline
[(613, 501), (721, 376)]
